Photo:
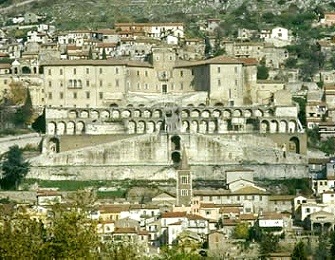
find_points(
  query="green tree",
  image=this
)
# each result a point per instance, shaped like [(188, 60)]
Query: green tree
[(14, 168), (21, 238), (73, 236), (332, 246), (301, 101), (241, 231), (328, 146), (262, 72), (322, 249), (299, 251), (313, 136), (24, 113), (268, 243)]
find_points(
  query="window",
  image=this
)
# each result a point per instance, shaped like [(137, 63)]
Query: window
[(101, 95), (138, 86), (235, 82), (74, 71), (87, 94), (61, 72), (49, 72), (5, 82), (61, 83), (50, 95), (87, 71), (219, 82), (192, 72), (146, 86), (308, 210), (184, 179), (116, 70), (87, 83), (100, 70), (184, 193), (117, 83), (138, 73), (235, 69), (181, 86), (50, 84), (181, 73), (75, 95), (61, 95), (219, 69), (146, 73), (100, 83)]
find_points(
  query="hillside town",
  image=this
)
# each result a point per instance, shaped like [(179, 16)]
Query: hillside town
[(220, 127)]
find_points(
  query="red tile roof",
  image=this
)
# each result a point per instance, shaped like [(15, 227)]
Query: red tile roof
[(174, 215)]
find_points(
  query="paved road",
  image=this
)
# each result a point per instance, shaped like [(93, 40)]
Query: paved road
[(8, 8)]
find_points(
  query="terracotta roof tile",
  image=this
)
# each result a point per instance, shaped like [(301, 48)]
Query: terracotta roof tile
[(174, 214)]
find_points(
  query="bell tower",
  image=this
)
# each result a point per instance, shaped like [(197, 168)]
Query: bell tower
[(184, 181)]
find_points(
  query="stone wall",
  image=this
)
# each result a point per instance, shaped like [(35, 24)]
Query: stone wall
[(33, 139), (162, 172), (150, 157)]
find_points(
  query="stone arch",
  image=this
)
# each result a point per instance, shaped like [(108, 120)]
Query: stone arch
[(205, 114), (258, 113), (265, 126), (159, 125), (94, 114), (203, 127), (226, 113), (274, 126), (194, 127), (84, 114), (216, 113), (141, 105), (190, 105), (175, 143), (52, 128), (130, 105), (292, 126), (212, 127), (137, 113), (282, 126), (294, 145), (185, 113), (219, 104), (141, 127), (157, 113), (247, 113), (131, 127), (72, 114), (126, 114), (26, 70), (114, 105), (105, 114), (176, 157), (151, 127), (115, 113), (202, 105), (70, 128), (251, 124), (146, 113), (53, 145), (61, 128), (80, 127), (195, 113), (237, 113), (185, 127)]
